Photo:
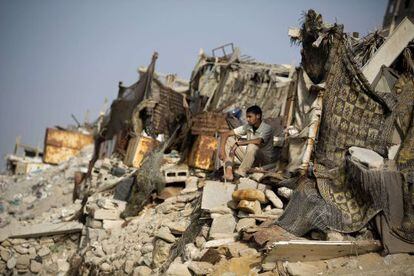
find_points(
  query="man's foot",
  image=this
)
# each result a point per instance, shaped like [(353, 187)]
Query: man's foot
[(228, 174), (239, 173)]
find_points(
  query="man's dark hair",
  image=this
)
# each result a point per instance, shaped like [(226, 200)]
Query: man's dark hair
[(255, 110)]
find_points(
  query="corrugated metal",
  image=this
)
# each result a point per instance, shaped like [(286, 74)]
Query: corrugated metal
[(138, 148), (203, 152)]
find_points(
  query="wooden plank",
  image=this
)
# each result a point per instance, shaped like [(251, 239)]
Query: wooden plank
[(306, 250), (390, 50)]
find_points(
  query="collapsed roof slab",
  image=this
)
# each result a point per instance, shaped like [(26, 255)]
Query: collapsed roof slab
[(390, 50)]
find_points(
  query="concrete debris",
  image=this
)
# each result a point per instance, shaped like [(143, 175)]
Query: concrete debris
[(177, 269), (218, 243), (200, 268), (272, 197), (216, 194), (222, 227), (252, 207), (249, 194), (367, 157), (305, 250), (285, 192)]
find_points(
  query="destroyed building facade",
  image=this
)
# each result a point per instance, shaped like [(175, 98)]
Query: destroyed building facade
[(147, 198)]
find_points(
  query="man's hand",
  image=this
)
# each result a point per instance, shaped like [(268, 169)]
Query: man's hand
[(233, 150)]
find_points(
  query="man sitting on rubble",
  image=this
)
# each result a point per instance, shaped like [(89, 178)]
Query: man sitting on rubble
[(256, 150)]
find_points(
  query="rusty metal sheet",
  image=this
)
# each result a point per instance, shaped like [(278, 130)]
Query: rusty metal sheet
[(60, 145), (203, 152), (209, 123), (138, 148)]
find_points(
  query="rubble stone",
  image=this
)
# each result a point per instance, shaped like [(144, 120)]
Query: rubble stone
[(35, 267), (191, 252), (106, 267), (245, 223), (200, 241), (93, 223), (301, 269), (112, 224), (165, 234), (129, 266), (177, 269), (268, 266), (5, 254), (285, 192), (23, 262), (21, 250), (217, 243), (161, 252), (252, 207), (201, 268), (222, 227), (102, 214), (63, 265), (272, 197), (249, 194), (11, 263), (334, 236), (142, 271), (247, 183), (190, 185)]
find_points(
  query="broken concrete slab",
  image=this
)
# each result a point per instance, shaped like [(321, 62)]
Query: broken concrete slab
[(43, 229), (245, 223), (306, 250), (223, 227), (367, 157), (216, 194), (103, 214), (201, 268), (111, 224), (217, 243), (389, 50)]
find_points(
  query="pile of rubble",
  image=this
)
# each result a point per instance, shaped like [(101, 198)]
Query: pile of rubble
[(148, 200)]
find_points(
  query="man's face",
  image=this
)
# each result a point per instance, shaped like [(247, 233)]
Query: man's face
[(252, 118)]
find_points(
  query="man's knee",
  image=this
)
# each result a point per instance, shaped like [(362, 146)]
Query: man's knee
[(230, 141), (252, 149)]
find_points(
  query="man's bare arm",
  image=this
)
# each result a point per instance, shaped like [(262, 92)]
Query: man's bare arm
[(257, 141)]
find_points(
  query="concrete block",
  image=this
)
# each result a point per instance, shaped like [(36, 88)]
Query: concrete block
[(216, 194)]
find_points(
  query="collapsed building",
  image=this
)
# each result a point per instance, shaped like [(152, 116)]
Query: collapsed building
[(150, 201)]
